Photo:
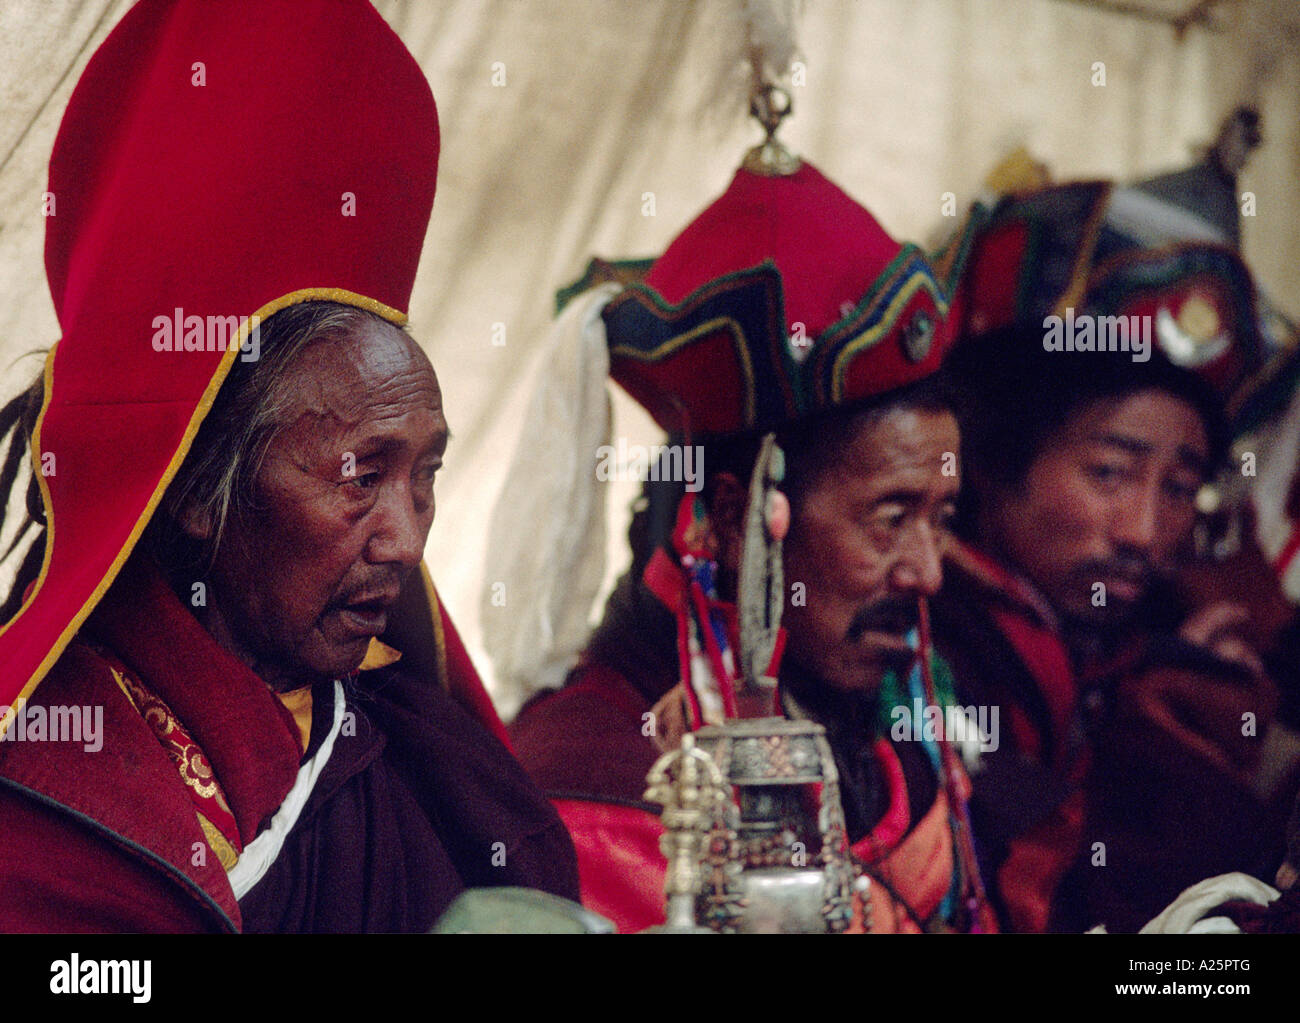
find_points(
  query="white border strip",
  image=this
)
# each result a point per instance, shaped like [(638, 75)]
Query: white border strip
[(262, 851)]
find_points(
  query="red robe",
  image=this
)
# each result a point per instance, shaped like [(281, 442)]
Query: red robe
[(585, 746), (407, 813), (1088, 812)]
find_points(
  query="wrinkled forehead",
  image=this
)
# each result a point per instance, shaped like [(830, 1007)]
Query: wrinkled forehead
[(904, 454), (900, 447), (371, 370)]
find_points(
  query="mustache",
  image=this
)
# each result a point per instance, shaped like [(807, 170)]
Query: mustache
[(380, 583), (895, 615), (1134, 566)]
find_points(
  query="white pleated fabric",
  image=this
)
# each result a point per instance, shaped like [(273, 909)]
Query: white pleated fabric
[(1187, 913)]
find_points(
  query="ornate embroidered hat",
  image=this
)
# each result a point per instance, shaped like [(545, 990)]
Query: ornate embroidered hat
[(783, 298), (1081, 246), (213, 167)]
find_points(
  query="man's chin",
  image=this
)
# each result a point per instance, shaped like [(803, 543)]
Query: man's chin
[(346, 659), (1115, 614), (321, 663), (866, 675), (858, 667), (340, 642)]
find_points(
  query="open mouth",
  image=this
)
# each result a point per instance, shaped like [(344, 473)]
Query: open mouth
[(886, 627), (367, 616)]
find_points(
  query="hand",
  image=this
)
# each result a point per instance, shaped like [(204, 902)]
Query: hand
[(776, 514), (670, 719), (1205, 715), (1287, 876), (1216, 628)]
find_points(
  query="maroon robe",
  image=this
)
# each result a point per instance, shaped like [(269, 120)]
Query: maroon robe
[(1080, 771), (418, 803)]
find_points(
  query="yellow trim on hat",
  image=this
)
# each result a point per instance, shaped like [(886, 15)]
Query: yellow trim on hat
[(917, 282), (681, 340), (340, 295), (1077, 287)]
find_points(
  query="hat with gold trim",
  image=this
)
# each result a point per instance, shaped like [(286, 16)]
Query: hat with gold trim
[(785, 297), (782, 299), (213, 167), (1083, 247)]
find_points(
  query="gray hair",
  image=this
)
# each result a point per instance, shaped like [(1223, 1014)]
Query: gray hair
[(217, 481)]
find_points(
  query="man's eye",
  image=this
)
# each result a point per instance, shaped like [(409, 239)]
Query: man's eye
[(364, 481), (890, 516), (1180, 491), (1106, 474)]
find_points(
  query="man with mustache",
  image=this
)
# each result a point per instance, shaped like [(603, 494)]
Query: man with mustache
[(1133, 714), (784, 307)]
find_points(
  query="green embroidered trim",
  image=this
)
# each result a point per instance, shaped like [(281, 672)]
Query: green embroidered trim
[(602, 271)]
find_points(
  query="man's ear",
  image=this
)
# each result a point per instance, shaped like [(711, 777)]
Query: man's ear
[(727, 514), (195, 521)]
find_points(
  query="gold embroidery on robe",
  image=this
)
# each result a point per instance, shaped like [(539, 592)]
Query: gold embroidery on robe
[(191, 764)]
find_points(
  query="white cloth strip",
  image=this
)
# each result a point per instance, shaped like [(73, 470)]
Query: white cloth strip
[(262, 851)]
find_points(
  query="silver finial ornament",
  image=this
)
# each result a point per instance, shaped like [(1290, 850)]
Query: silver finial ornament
[(770, 104)]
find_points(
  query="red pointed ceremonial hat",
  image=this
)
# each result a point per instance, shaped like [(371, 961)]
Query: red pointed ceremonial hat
[(783, 298), (215, 161)]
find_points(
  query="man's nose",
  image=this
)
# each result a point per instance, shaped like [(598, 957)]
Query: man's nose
[(919, 568), (400, 530), (1135, 523)]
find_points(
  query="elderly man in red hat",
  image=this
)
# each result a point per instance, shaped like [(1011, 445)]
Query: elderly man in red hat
[(234, 447), (785, 308)]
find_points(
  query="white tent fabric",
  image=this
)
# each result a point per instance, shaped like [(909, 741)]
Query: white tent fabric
[(573, 127)]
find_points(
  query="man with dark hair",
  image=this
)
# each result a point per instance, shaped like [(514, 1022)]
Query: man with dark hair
[(1130, 715), (266, 720), (783, 308)]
